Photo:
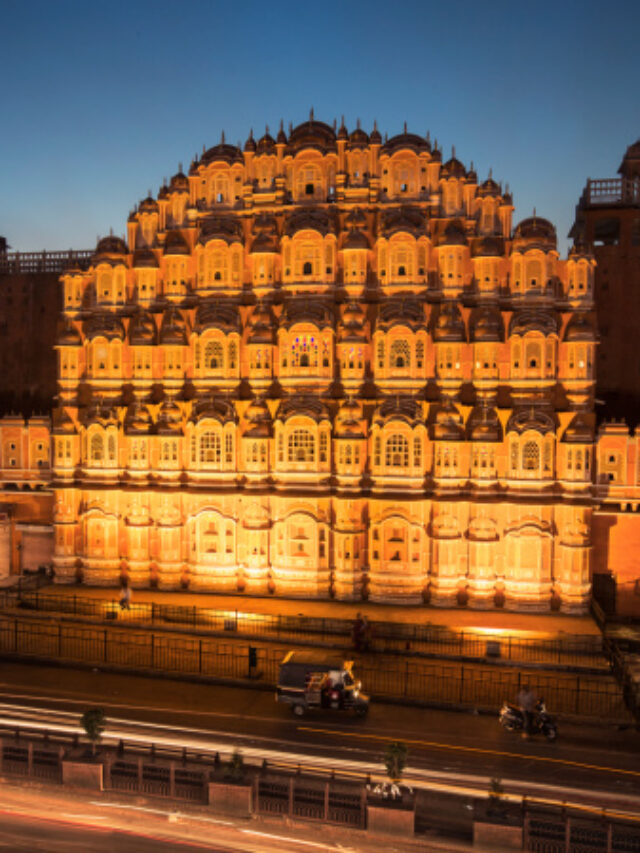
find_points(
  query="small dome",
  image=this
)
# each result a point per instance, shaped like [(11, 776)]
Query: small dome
[(111, 246), (104, 325), (227, 153), (453, 168), (266, 144), (175, 244), (173, 329), (259, 419), (374, 137), (488, 247), (531, 418), (535, 229), (447, 423), (343, 133), (214, 407), (579, 328), (148, 205), (142, 330), (179, 182), (579, 430), (484, 425), (358, 139), (68, 336), (169, 418), (453, 235), (486, 324), (355, 239), (348, 420), (250, 144), (144, 258), (137, 419), (405, 140), (448, 324), (281, 139), (312, 134), (489, 188)]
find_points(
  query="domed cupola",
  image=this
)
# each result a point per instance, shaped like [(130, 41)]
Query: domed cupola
[(352, 325), (173, 329), (374, 137), (358, 138), (343, 133), (137, 420), (312, 134), (250, 144), (489, 188), (227, 153), (261, 325), (266, 235), (142, 330), (534, 231), (349, 420), (110, 247), (484, 425), (104, 325), (355, 239), (579, 328), (144, 258), (448, 324), (179, 183), (148, 205), (68, 335), (266, 144), (531, 417), (486, 324), (175, 244), (169, 418), (488, 247), (258, 419), (453, 235), (446, 424), (579, 430), (281, 139)]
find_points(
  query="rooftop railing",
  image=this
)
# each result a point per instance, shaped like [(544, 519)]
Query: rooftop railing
[(14, 263), (612, 191)]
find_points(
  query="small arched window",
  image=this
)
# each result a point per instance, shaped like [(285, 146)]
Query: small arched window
[(301, 446), (213, 355), (97, 447), (307, 268), (400, 354), (210, 448)]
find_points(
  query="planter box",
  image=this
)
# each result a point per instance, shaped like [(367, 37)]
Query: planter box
[(88, 775), (387, 819), (496, 837), (231, 799)]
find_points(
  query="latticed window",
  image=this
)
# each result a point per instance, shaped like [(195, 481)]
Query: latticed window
[(323, 446), (381, 355), (97, 448), (301, 446), (304, 351), (377, 451), (547, 456), (531, 456), (419, 354), (400, 354), (417, 451), (233, 355), (396, 452), (213, 355), (228, 448), (111, 448), (209, 448), (514, 455)]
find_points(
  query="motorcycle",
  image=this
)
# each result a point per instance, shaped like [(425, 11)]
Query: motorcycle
[(512, 718)]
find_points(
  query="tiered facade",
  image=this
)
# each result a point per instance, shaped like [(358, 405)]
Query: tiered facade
[(325, 366)]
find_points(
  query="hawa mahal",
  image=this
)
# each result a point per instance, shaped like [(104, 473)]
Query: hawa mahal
[(328, 365)]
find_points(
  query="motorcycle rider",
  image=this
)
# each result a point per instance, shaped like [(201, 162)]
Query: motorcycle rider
[(527, 701)]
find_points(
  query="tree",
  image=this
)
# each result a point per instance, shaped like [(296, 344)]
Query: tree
[(395, 760), (94, 722), (235, 767)]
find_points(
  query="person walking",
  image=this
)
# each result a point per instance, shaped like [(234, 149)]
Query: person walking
[(125, 596), (527, 700)]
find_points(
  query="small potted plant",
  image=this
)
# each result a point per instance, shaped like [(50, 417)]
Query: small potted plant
[(232, 793), (86, 770), (391, 805), (495, 823)]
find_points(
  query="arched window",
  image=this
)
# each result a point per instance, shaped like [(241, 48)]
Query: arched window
[(380, 355), (376, 451), (534, 273), (97, 447), (111, 448), (419, 354), (396, 452), (213, 355), (228, 449), (301, 446), (209, 448), (304, 351), (531, 456), (417, 451), (400, 354)]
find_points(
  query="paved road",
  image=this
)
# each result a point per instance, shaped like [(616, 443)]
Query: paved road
[(596, 764)]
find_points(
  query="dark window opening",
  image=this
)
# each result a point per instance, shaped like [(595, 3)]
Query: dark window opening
[(307, 269), (309, 189)]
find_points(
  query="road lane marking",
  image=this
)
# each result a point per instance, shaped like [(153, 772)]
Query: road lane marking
[(288, 839), (477, 749)]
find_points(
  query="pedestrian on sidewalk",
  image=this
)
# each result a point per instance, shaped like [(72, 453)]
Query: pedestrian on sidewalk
[(125, 596), (357, 632)]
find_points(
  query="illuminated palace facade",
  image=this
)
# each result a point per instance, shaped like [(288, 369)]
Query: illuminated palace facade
[(327, 366)]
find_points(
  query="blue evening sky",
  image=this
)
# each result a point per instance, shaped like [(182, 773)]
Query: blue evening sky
[(100, 101)]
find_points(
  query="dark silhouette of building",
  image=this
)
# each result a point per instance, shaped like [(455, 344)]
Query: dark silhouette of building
[(608, 218)]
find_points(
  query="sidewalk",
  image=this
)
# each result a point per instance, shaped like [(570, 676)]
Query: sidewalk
[(529, 625)]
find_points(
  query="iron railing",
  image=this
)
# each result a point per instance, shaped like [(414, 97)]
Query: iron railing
[(410, 639), (14, 263), (421, 681)]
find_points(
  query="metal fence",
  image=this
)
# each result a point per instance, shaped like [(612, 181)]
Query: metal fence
[(387, 637), (422, 681), (557, 831)]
